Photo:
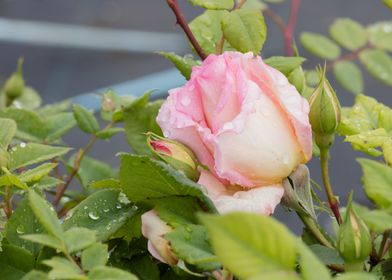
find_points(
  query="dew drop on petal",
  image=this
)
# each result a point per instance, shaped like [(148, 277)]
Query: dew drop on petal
[(20, 229), (94, 216)]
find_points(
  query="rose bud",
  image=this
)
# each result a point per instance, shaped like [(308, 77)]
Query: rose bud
[(354, 241), (324, 112), (154, 229), (175, 154), (245, 122), (14, 86)]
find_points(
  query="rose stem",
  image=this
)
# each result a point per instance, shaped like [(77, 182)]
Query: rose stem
[(310, 224), (287, 29), (333, 203), (173, 4), (79, 156)]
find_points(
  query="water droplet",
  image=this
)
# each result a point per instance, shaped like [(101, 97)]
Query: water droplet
[(135, 208), (23, 145), (286, 160), (20, 229), (106, 210), (118, 206), (94, 216), (108, 228), (188, 229), (123, 199), (85, 207), (185, 101)]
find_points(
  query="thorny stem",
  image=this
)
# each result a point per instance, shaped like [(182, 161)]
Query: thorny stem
[(287, 29), (79, 157), (333, 203), (173, 4)]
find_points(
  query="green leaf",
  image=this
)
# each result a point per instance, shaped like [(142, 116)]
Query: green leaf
[(85, 119), (77, 238), (284, 64), (250, 244), (144, 178), (245, 30), (379, 64), (348, 33), (45, 215), (214, 4), (356, 276), (37, 173), (35, 275), (109, 132), (45, 239), (377, 181), (9, 179), (104, 211), (139, 118), (208, 31), (47, 183), (63, 269), (110, 273), (29, 99), (190, 243), (319, 45), (95, 255), (376, 220), (7, 132), (15, 262), (105, 184), (387, 3), (55, 108), (145, 268), (23, 221), (326, 255), (310, 265), (58, 125), (31, 153), (349, 76), (380, 35), (183, 63)]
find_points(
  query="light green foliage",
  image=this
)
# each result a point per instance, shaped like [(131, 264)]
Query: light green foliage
[(214, 4), (183, 63), (85, 119), (77, 239), (348, 33), (108, 133), (245, 30), (349, 76), (380, 35), (379, 64), (94, 256), (64, 269), (110, 273), (368, 126), (376, 220), (319, 45), (7, 132), (284, 64)]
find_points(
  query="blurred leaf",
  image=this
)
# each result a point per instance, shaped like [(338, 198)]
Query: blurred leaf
[(145, 268), (31, 153), (55, 108), (319, 45), (356, 276), (348, 33), (376, 220), (379, 64), (108, 133), (387, 3), (214, 4), (35, 275), (144, 178), (58, 125), (183, 64), (15, 262), (250, 245), (245, 30), (380, 35), (85, 119), (190, 243), (103, 211), (106, 273), (349, 76), (312, 77), (23, 221), (377, 181), (94, 256), (139, 118), (208, 31), (45, 239), (37, 173), (9, 179), (29, 99), (326, 255), (310, 264), (63, 269), (284, 64), (77, 238), (7, 132)]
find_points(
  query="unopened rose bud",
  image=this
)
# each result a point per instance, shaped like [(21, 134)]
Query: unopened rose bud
[(354, 241), (175, 154), (324, 112), (14, 86), (154, 229)]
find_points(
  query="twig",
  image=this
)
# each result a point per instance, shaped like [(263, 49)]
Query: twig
[(348, 57), (333, 203), (287, 29), (173, 4), (383, 245)]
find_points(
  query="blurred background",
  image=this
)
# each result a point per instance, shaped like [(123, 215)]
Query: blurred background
[(74, 47)]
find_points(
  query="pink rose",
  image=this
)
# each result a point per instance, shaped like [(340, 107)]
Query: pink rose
[(154, 229), (244, 120)]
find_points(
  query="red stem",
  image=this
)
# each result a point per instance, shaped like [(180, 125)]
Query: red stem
[(173, 4)]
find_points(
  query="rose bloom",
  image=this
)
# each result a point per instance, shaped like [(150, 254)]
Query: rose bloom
[(246, 123)]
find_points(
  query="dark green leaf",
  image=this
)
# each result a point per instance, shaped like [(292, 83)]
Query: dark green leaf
[(15, 262), (183, 63), (35, 275), (326, 255), (110, 273), (145, 268)]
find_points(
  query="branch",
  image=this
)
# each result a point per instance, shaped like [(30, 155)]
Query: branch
[(348, 57), (173, 4)]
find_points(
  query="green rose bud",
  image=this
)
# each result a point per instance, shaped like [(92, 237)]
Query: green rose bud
[(354, 241), (324, 112), (15, 84), (175, 154)]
